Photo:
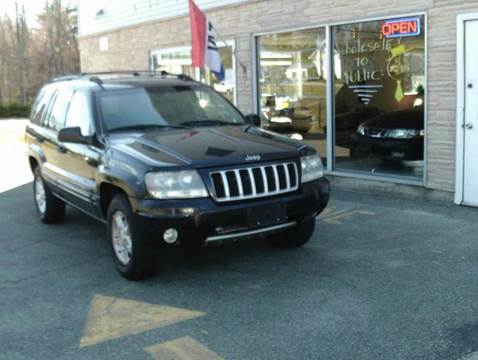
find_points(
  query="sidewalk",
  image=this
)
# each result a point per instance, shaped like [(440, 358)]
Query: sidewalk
[(13, 162)]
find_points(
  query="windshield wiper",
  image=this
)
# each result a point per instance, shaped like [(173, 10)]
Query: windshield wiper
[(195, 123), (146, 127)]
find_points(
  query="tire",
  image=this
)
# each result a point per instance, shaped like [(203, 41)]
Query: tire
[(49, 208), (294, 237), (134, 257)]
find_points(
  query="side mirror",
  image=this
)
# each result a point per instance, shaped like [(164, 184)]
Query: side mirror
[(72, 135), (253, 119)]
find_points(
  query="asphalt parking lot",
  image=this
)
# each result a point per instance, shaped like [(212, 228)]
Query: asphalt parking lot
[(381, 279)]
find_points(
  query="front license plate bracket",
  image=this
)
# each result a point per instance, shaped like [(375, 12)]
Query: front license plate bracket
[(265, 215)]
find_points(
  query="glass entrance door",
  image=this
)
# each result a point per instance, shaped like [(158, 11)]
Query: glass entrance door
[(292, 85)]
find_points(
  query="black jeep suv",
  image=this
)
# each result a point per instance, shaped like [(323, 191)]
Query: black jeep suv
[(162, 159)]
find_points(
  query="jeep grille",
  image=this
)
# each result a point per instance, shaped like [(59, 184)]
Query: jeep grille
[(254, 181)]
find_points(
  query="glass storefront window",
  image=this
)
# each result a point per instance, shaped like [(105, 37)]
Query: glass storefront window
[(292, 85), (226, 86), (379, 83), (178, 61), (174, 61)]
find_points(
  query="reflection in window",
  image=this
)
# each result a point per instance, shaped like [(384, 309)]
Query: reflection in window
[(292, 85), (379, 99), (175, 61), (79, 113), (178, 61), (226, 86)]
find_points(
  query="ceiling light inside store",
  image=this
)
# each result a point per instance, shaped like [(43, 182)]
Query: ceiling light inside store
[(276, 63)]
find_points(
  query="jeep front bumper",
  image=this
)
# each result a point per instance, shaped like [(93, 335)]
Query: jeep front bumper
[(204, 220)]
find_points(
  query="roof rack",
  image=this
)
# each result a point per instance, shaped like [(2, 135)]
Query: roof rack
[(97, 76)]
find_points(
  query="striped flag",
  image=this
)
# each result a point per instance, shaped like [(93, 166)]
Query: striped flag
[(204, 51)]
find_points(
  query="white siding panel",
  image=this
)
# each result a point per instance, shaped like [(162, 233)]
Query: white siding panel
[(121, 13)]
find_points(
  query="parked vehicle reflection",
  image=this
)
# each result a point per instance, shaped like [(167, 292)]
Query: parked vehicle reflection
[(395, 136)]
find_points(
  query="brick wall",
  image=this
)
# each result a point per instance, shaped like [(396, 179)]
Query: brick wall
[(129, 49)]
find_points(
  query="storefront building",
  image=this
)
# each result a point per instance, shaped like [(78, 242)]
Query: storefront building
[(383, 90)]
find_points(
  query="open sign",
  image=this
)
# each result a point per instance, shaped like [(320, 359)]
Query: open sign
[(402, 27)]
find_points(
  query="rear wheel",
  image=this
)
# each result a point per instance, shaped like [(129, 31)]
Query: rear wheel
[(49, 208), (294, 237), (134, 257)]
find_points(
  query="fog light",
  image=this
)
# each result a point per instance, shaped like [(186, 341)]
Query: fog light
[(170, 236)]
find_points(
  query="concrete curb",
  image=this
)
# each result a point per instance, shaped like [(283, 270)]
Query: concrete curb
[(389, 189)]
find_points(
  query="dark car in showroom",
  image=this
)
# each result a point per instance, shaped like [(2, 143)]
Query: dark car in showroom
[(161, 160), (394, 136)]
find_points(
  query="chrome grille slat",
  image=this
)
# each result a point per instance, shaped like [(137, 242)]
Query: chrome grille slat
[(239, 182), (287, 176), (264, 179), (225, 183), (253, 181), (276, 177), (254, 173)]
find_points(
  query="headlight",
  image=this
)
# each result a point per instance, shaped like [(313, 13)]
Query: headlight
[(312, 168), (361, 129), (175, 185), (403, 133)]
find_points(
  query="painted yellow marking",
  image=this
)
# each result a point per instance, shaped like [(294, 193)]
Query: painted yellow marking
[(334, 216), (112, 318), (185, 348)]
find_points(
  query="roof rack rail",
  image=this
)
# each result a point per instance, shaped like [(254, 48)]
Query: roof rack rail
[(66, 77), (96, 76), (97, 80)]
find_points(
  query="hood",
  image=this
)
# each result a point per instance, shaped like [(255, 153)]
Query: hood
[(207, 147), (404, 119)]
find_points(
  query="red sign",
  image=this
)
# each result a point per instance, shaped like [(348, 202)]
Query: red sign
[(401, 27)]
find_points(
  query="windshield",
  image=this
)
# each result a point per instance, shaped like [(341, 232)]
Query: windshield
[(166, 106)]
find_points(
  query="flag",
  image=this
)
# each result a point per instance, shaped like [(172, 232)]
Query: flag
[(204, 51)]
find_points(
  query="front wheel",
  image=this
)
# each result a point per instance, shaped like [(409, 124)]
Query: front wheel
[(49, 208), (294, 237), (134, 257)]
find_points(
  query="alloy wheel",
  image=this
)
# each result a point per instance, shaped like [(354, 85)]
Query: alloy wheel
[(121, 237), (40, 196)]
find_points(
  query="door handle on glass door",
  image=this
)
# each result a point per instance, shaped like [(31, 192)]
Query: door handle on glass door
[(468, 126)]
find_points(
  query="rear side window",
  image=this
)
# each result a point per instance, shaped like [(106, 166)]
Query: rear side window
[(40, 106), (56, 118), (79, 114)]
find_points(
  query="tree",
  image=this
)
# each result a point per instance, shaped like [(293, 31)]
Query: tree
[(30, 57), (22, 37)]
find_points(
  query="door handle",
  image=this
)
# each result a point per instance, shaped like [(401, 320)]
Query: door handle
[(468, 126), (92, 162), (61, 148), (36, 135)]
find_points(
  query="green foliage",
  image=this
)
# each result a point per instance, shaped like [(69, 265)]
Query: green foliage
[(14, 110), (30, 57)]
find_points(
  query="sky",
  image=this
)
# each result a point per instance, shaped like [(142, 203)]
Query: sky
[(32, 8)]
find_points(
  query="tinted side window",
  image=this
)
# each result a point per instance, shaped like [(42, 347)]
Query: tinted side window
[(56, 118), (39, 109), (79, 114)]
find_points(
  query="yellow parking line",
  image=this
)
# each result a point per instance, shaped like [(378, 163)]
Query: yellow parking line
[(112, 318), (185, 348), (333, 217)]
